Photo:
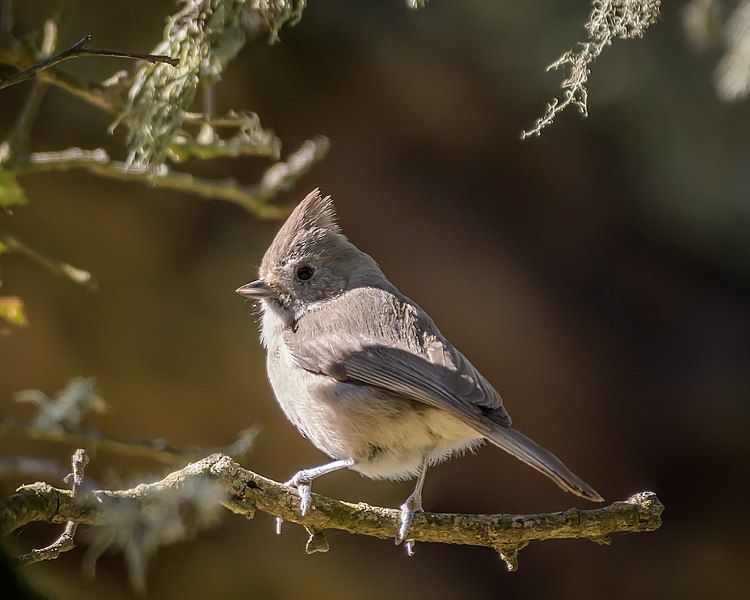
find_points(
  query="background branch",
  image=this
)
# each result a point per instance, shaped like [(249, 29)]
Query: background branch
[(158, 450), (66, 541), (246, 491), (108, 96), (11, 243), (17, 139), (47, 468), (253, 198), (80, 48)]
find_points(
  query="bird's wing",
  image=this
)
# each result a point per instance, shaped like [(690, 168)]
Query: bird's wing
[(380, 338)]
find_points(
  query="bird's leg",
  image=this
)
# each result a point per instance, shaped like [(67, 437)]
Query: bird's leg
[(303, 482), (412, 505)]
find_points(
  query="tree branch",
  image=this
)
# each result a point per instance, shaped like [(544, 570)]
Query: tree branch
[(80, 48), (247, 491), (11, 243), (158, 450), (254, 198), (17, 139), (66, 541), (15, 466), (108, 98)]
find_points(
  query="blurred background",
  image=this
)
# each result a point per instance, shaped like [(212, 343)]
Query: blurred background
[(599, 276)]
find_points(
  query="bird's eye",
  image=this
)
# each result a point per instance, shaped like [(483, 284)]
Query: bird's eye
[(305, 273)]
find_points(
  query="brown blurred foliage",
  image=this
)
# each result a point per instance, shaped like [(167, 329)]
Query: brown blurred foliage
[(598, 276)]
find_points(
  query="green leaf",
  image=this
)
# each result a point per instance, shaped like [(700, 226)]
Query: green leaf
[(12, 310), (11, 194)]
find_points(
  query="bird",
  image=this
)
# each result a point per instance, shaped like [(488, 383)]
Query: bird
[(364, 373)]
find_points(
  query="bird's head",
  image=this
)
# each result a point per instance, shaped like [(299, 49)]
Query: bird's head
[(310, 260)]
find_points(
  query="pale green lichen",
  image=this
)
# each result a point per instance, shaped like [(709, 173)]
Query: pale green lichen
[(205, 35), (67, 408), (608, 20)]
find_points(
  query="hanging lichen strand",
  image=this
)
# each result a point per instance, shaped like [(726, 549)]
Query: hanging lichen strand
[(205, 35)]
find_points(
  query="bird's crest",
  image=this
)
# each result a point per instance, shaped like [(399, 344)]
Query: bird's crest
[(313, 220)]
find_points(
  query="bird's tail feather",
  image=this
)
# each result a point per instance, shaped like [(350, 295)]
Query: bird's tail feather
[(528, 451)]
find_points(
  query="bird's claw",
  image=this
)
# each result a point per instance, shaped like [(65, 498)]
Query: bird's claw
[(305, 497), (304, 489), (408, 510), (302, 482)]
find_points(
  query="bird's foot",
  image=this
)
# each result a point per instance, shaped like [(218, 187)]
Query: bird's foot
[(409, 508), (303, 484)]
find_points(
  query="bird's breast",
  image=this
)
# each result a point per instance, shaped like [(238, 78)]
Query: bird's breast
[(386, 434)]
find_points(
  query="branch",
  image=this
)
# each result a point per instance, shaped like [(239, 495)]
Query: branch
[(158, 450), (80, 48), (65, 542), (247, 491), (249, 140), (15, 466), (109, 98), (280, 176), (17, 139), (10, 243)]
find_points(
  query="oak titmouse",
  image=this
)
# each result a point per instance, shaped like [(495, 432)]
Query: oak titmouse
[(365, 374)]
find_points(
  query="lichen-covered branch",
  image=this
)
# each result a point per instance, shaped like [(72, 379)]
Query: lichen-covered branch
[(250, 140), (158, 450), (206, 35), (254, 197), (58, 419), (203, 37), (17, 140), (108, 96), (66, 540), (608, 20), (244, 492), (47, 468)]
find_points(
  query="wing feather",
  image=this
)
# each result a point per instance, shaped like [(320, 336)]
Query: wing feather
[(379, 338)]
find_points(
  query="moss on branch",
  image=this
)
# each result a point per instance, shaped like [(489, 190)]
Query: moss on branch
[(246, 492)]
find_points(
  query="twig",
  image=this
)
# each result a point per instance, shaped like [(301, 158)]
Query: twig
[(247, 491), (17, 139), (207, 144), (254, 198), (79, 276), (66, 541), (282, 176), (13, 466), (231, 119), (158, 450), (80, 48), (109, 98), (24, 465)]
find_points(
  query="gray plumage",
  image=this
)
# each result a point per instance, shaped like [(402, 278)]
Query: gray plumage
[(364, 373)]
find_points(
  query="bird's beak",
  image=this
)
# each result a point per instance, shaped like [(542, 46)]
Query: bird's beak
[(257, 290)]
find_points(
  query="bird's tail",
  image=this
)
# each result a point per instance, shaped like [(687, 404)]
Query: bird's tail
[(528, 451)]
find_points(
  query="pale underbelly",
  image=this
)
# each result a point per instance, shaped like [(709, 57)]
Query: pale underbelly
[(388, 436)]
